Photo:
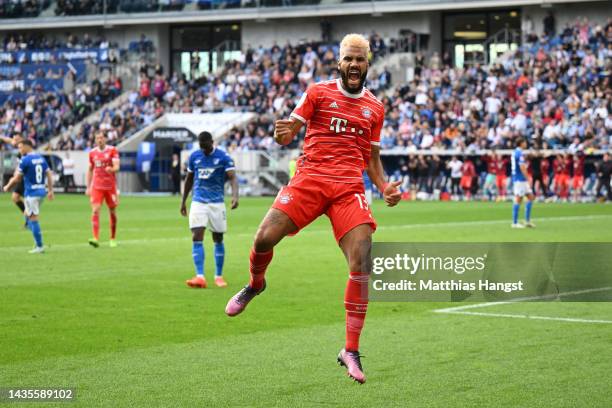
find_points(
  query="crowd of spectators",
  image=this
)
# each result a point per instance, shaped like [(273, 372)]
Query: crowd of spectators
[(42, 112), (86, 7), (264, 81), (22, 8), (553, 91), (41, 41), (43, 115)]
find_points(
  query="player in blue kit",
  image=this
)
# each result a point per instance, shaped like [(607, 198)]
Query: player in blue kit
[(208, 169), (521, 186), (38, 180)]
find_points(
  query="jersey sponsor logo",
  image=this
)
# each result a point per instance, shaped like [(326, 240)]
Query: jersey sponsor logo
[(338, 125), (366, 113), (333, 105), (206, 172)]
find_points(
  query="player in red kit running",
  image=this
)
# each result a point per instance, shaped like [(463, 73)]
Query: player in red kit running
[(578, 177), (501, 177), (102, 186), (343, 121)]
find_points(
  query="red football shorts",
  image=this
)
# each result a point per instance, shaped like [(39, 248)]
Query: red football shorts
[(466, 182), (308, 197), (500, 182), (577, 182), (110, 196)]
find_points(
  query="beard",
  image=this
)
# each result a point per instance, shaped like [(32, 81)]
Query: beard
[(345, 81)]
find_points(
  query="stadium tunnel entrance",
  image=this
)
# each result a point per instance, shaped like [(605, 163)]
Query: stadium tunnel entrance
[(158, 159), (478, 37), (198, 50)]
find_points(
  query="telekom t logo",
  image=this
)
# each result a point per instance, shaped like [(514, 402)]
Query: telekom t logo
[(338, 125)]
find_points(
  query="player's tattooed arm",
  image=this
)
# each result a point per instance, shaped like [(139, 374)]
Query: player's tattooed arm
[(231, 175), (186, 191), (285, 130), (376, 172)]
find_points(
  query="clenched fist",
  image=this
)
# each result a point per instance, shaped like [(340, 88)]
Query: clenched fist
[(283, 132)]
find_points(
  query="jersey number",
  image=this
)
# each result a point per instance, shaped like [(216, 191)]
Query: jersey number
[(39, 173), (362, 200)]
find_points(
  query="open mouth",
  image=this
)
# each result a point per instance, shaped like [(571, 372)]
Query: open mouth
[(354, 75)]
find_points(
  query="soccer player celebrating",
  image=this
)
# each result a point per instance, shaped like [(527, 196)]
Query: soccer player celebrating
[(343, 122), (521, 186), (102, 186), (38, 179), (208, 169)]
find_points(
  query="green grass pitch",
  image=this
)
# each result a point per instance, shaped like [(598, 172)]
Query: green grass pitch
[(121, 326)]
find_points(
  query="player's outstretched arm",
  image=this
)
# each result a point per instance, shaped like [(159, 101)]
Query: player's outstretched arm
[(376, 172), (186, 191), (285, 130), (233, 179), (14, 180)]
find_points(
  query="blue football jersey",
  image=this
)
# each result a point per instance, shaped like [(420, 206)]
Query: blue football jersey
[(33, 167), (517, 160), (209, 175)]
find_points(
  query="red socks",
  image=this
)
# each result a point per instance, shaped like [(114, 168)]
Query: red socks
[(113, 224), (356, 306), (95, 225), (259, 262)]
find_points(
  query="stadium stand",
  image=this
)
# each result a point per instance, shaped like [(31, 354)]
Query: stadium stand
[(43, 86), (20, 8), (551, 90)]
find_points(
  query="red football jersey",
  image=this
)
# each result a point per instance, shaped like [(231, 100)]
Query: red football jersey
[(99, 160), (491, 164), (468, 169), (567, 166), (579, 166), (559, 166), (341, 127), (544, 166), (502, 164)]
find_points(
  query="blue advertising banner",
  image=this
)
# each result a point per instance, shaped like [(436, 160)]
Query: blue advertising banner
[(68, 54)]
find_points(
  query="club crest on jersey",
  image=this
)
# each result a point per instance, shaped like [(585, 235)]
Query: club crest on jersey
[(216, 161), (285, 198), (366, 113)]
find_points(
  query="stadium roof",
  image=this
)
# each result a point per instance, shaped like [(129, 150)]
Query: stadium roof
[(262, 14)]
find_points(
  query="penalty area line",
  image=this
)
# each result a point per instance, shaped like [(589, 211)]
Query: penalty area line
[(463, 310)]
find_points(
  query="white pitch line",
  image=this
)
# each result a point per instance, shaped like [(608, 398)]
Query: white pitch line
[(461, 309), (519, 316), (325, 230)]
